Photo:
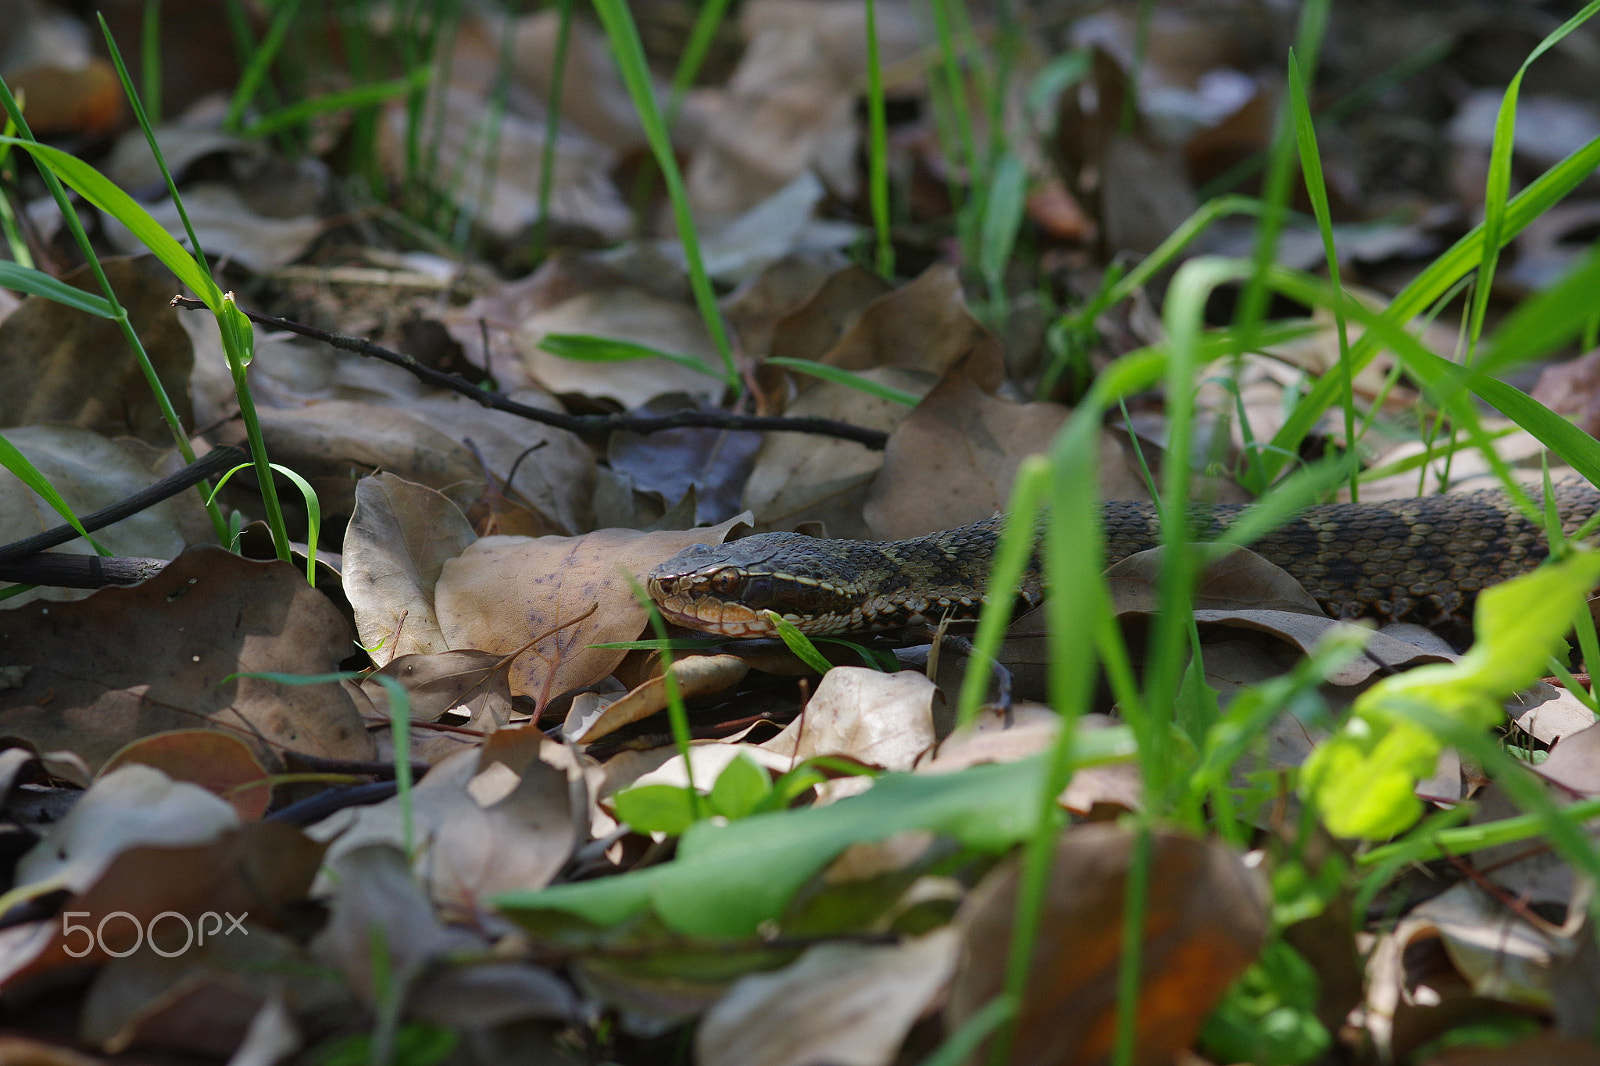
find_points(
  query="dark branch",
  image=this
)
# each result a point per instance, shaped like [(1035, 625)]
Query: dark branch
[(65, 571), (826, 427)]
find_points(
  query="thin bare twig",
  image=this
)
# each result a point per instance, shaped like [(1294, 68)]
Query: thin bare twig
[(827, 427)]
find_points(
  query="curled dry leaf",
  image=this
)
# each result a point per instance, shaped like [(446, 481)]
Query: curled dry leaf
[(563, 593), (129, 662), (59, 364), (552, 490), (1205, 921), (400, 536), (133, 806), (1457, 954), (492, 819), (696, 675), (850, 1004), (208, 999), (810, 329), (923, 325), (219, 763), (471, 683)]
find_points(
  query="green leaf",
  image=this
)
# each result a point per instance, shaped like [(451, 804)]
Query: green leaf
[(38, 283), (840, 376), (799, 643), (741, 789), (665, 809), (583, 348), (1362, 780), (727, 880)]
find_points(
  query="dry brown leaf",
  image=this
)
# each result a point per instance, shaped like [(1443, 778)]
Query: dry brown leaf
[(128, 662), (382, 932), (953, 460), (886, 720), (789, 107), (1206, 919), (400, 536), (470, 683), (58, 364), (553, 488), (923, 325), (570, 592), (492, 819), (799, 477), (327, 443), (811, 329), (849, 1004), (1548, 713), (203, 1001), (1458, 954), (217, 762), (250, 872)]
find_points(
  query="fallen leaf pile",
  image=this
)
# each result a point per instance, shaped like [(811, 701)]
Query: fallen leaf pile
[(438, 805)]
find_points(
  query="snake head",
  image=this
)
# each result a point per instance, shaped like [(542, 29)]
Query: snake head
[(727, 589)]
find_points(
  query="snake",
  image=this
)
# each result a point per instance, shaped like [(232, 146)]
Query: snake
[(1420, 559)]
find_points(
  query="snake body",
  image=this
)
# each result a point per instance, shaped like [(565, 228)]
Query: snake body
[(1424, 559)]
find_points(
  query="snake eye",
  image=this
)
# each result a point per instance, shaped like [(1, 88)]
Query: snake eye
[(726, 582)]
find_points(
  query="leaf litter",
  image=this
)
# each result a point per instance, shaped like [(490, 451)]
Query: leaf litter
[(482, 558)]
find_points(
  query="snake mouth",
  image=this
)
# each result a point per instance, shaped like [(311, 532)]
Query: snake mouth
[(707, 613)]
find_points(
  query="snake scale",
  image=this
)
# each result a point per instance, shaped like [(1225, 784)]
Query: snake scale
[(1423, 559)]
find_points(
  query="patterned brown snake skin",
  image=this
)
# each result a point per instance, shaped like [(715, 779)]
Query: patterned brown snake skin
[(1422, 559)]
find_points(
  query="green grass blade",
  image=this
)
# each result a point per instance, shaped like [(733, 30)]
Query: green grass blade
[(840, 376), (1002, 217), (704, 31), (629, 54), (255, 72), (586, 348), (38, 283), (14, 461), (99, 191), (370, 95), (1498, 184), (1316, 187), (1431, 284), (878, 147), (799, 643)]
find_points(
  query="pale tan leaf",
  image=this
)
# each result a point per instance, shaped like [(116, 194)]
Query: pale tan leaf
[(569, 592)]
